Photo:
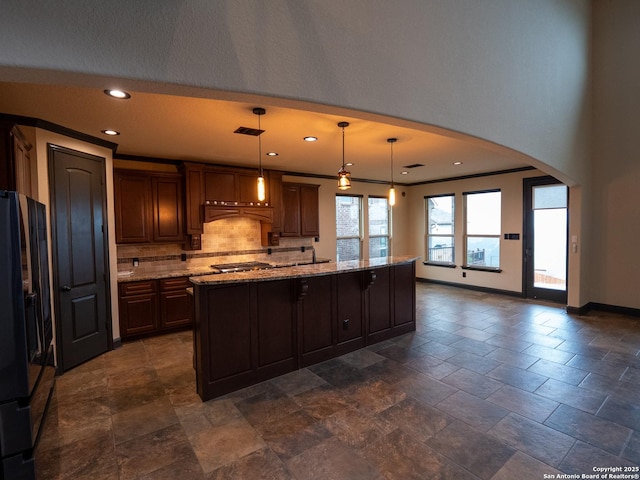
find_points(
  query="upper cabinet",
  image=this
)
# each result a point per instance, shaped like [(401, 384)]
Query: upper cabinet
[(149, 207), (300, 217), (231, 186), (15, 161)]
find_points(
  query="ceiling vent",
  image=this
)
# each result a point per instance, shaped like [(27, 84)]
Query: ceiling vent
[(415, 165), (249, 131)]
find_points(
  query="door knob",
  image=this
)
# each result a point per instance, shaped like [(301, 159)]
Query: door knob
[(66, 288)]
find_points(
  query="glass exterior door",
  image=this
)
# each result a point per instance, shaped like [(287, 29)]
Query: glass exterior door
[(545, 254)]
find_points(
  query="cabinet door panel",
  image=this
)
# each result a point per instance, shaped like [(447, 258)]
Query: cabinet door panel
[(404, 293), (220, 186), (167, 209), (276, 330), (194, 197), (379, 301), (248, 188), (175, 309), (349, 294), (229, 331), (317, 315), (133, 208), (138, 314), (275, 199), (309, 221), (290, 211)]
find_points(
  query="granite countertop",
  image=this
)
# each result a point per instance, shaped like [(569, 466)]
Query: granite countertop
[(293, 271), (134, 276)]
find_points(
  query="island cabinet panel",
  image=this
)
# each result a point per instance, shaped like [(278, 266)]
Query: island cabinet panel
[(404, 297), (350, 320), (251, 331), (276, 326), (230, 335), (316, 319), (378, 304)]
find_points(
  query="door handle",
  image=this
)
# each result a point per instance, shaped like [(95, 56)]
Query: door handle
[(66, 288)]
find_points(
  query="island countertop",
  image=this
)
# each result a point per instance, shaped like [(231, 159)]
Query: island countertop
[(295, 271)]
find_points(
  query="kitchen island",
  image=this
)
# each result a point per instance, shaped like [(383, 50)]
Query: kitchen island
[(256, 325)]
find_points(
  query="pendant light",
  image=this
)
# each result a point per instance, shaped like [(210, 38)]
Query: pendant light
[(261, 187), (392, 190), (344, 176)]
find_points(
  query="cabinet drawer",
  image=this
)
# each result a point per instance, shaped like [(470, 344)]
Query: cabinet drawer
[(138, 288), (174, 283)]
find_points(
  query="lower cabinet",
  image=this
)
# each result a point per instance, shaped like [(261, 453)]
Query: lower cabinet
[(246, 333), (150, 307)]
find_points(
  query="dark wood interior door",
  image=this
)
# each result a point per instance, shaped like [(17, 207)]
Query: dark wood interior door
[(79, 254)]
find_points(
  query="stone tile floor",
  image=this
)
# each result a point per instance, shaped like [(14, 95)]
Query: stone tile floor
[(489, 387)]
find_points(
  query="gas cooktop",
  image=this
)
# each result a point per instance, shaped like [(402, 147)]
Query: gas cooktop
[(240, 267)]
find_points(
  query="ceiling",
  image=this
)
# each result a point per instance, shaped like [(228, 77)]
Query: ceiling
[(201, 129)]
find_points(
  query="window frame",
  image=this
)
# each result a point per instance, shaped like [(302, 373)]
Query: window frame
[(428, 235), (359, 237), (388, 236), (466, 235)]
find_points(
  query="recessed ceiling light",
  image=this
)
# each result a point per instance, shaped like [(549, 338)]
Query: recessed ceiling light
[(310, 139), (457, 163), (111, 132), (121, 94), (272, 154), (349, 164), (404, 173)]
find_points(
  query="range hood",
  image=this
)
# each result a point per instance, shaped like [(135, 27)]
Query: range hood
[(213, 212)]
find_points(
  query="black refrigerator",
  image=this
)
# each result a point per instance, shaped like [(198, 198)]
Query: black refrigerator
[(27, 372)]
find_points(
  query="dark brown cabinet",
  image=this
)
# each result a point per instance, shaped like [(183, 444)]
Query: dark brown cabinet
[(138, 308), (300, 217), (350, 312), (243, 344), (15, 160), (249, 332), (230, 186), (150, 307), (316, 319), (149, 207)]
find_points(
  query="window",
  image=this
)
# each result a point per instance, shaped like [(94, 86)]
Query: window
[(482, 234), (440, 229), (378, 227), (348, 227)]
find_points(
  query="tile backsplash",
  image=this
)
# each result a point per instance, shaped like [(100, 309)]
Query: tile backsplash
[(224, 241)]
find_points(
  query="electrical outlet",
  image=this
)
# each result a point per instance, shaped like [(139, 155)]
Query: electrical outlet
[(136, 261), (464, 274)]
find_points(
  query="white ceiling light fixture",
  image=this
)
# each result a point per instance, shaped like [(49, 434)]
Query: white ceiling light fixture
[(272, 154), (261, 187), (344, 176), (119, 94), (110, 132), (392, 190), (310, 139)]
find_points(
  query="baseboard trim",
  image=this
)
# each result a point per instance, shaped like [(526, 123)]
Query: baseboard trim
[(583, 310), (117, 343), (603, 307), (471, 287)]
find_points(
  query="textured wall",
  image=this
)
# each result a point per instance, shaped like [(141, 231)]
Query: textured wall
[(514, 72)]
